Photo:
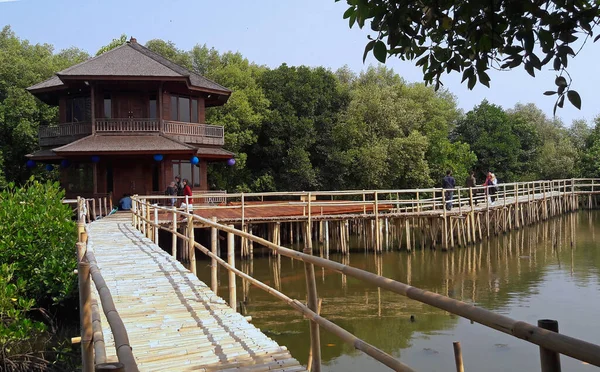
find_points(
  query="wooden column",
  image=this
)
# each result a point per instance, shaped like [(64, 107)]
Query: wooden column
[(550, 360), (93, 100), (174, 237)]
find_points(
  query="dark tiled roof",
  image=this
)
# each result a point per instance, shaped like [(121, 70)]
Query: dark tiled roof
[(47, 154), (214, 151), (54, 81), (131, 60), (98, 144)]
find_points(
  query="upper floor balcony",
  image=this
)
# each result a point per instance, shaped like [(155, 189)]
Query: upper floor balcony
[(192, 133)]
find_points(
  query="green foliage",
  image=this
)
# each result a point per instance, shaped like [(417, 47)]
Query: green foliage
[(113, 44), (470, 37), (22, 65), (14, 324), (168, 50), (38, 237)]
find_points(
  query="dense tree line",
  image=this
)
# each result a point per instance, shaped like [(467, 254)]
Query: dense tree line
[(305, 128)]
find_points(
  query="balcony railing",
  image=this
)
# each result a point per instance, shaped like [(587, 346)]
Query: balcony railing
[(63, 133), (127, 125), (193, 133)]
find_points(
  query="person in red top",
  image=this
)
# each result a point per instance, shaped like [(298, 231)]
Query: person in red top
[(187, 191)]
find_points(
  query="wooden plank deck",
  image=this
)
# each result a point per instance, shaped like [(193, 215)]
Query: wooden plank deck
[(174, 321)]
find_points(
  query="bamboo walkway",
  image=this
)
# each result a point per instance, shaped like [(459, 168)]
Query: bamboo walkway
[(174, 321)]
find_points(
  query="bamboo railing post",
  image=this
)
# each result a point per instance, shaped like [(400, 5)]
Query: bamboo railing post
[(214, 284), (550, 360), (85, 310), (377, 228), (243, 227), (155, 225), (94, 209), (472, 214), (191, 243), (315, 338), (364, 202), (445, 223), (174, 232), (105, 207), (231, 261), (458, 359), (309, 224)]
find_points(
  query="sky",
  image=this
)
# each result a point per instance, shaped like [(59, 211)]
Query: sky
[(272, 32)]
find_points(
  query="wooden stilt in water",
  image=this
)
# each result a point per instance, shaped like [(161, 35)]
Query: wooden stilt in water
[(231, 261), (214, 282)]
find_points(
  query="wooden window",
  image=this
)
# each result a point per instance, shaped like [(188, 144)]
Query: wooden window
[(79, 109), (152, 108), (107, 106), (184, 109)]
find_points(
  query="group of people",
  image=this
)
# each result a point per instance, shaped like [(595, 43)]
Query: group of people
[(180, 188), (490, 185)]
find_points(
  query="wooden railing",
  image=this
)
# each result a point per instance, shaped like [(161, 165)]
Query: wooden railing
[(127, 125), (93, 351), (192, 129), (186, 132), (49, 135), (145, 219)]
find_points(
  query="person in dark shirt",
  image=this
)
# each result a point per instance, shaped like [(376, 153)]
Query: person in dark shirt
[(449, 183)]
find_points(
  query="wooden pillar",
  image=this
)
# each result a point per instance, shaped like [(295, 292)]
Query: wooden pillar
[(377, 228), (156, 225), (85, 310)]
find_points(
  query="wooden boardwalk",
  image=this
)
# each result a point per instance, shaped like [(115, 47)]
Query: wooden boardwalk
[(174, 321)]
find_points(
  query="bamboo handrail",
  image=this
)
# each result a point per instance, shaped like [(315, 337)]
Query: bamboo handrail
[(560, 343)]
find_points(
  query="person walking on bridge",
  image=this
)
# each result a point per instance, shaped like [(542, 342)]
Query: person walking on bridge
[(471, 181), (449, 183)]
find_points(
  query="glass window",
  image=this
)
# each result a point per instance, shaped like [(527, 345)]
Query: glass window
[(79, 109), (186, 171), (174, 108), (80, 178), (153, 106), (194, 111), (107, 106), (184, 109), (196, 171)]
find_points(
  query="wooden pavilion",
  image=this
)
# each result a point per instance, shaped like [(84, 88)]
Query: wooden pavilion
[(130, 121)]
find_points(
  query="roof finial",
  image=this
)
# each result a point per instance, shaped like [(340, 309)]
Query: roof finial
[(133, 40)]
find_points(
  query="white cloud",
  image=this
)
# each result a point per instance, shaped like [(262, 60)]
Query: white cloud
[(8, 1)]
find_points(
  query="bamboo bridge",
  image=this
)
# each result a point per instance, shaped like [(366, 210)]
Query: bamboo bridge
[(160, 316)]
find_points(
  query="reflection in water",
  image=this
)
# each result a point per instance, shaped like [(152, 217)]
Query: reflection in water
[(550, 270)]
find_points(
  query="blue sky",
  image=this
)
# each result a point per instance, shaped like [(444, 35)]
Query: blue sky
[(271, 32)]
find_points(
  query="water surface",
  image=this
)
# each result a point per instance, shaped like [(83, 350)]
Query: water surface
[(528, 274)]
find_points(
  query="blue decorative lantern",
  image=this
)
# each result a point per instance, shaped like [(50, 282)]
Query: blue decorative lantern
[(49, 167), (195, 160), (30, 163), (158, 157), (65, 163), (95, 159), (231, 162)]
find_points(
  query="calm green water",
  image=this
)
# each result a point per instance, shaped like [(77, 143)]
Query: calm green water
[(528, 274)]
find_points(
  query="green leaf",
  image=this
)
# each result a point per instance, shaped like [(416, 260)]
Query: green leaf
[(529, 69), (348, 12), (549, 93), (380, 51), (368, 48), (561, 101), (484, 78), (560, 81), (574, 98), (472, 82)]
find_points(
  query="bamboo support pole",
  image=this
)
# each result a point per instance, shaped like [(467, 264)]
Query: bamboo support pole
[(231, 262), (310, 351), (105, 207), (458, 359), (550, 360), (214, 282)]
